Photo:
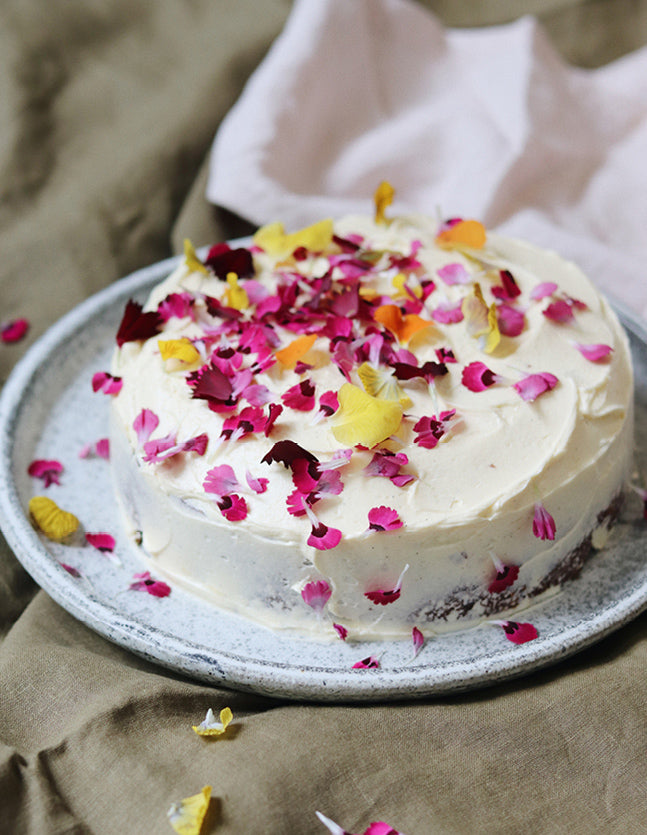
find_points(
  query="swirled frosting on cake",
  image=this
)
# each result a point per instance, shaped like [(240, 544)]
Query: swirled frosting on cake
[(374, 424)]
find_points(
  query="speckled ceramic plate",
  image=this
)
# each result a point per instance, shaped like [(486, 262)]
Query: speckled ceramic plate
[(48, 410)]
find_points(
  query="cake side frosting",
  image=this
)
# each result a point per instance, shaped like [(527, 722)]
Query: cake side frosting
[(500, 375)]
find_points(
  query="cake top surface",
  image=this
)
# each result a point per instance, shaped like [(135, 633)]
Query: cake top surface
[(372, 372)]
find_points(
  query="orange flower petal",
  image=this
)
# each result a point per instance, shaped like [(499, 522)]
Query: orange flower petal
[(292, 353), (363, 419), (403, 326), (55, 523), (468, 233), (383, 198)]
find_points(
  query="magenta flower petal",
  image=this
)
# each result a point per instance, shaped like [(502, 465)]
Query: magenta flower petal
[(509, 289), (74, 572), (324, 538), (106, 383), (258, 485), (13, 331), (594, 352), (300, 397), (505, 576), (454, 274), (48, 471), (144, 582), (543, 524), (341, 631), (559, 311), (233, 507), (511, 321), (104, 542), (316, 594), (448, 314), (418, 640), (535, 384), (477, 377), (383, 519), (100, 449), (145, 424), (368, 663), (382, 597), (519, 633)]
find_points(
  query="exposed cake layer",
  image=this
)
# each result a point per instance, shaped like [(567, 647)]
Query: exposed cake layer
[(494, 377)]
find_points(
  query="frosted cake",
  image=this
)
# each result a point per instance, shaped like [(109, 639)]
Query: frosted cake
[(372, 424)]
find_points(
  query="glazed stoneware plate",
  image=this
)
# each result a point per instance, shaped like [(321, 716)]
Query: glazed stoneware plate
[(49, 411)]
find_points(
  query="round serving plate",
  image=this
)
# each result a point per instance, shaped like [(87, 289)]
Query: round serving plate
[(48, 410)]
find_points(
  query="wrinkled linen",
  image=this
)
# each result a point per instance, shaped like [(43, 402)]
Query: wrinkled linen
[(108, 114)]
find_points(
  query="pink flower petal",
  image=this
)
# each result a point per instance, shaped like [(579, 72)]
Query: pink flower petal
[(316, 594), (454, 274), (383, 597), (543, 524), (233, 507), (300, 397), (418, 640), (341, 631), (48, 471), (220, 480), (101, 541), (478, 377), (505, 576), (144, 582), (100, 448), (543, 290), (258, 485), (511, 321), (448, 314), (368, 663), (594, 352), (324, 538), (145, 424), (559, 311), (74, 572), (534, 385), (106, 383), (383, 519), (13, 331)]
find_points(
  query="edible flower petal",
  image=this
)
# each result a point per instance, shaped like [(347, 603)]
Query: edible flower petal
[(383, 519), (193, 263), (316, 594), (324, 538), (368, 663), (375, 828), (292, 353), (404, 326), (418, 641), (210, 726), (533, 385), (509, 288), (388, 464), (383, 597), (518, 633), (48, 471), (136, 325), (381, 383), (454, 273), (383, 198), (464, 233), (13, 331), (180, 349), (145, 424), (274, 240), (222, 259), (505, 576), (477, 376), (543, 524), (510, 320), (220, 480), (106, 383), (235, 295), (480, 320), (594, 352), (104, 542), (187, 816), (300, 397), (144, 582), (543, 290), (559, 311), (55, 523), (341, 631), (363, 419), (100, 448)]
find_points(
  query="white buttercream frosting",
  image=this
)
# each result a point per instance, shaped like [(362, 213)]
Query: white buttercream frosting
[(471, 503)]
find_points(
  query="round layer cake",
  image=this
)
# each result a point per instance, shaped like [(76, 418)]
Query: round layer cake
[(372, 424)]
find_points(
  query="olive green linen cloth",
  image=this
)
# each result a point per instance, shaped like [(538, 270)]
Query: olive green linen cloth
[(107, 113)]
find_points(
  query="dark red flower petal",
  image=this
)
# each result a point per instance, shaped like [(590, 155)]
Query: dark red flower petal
[(137, 325)]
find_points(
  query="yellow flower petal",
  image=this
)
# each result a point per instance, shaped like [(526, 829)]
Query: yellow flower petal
[(209, 726), (363, 419), (468, 233), (187, 816), (292, 353), (274, 240), (400, 283), (481, 321), (235, 295), (191, 259), (383, 198), (180, 349), (55, 523), (381, 383)]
